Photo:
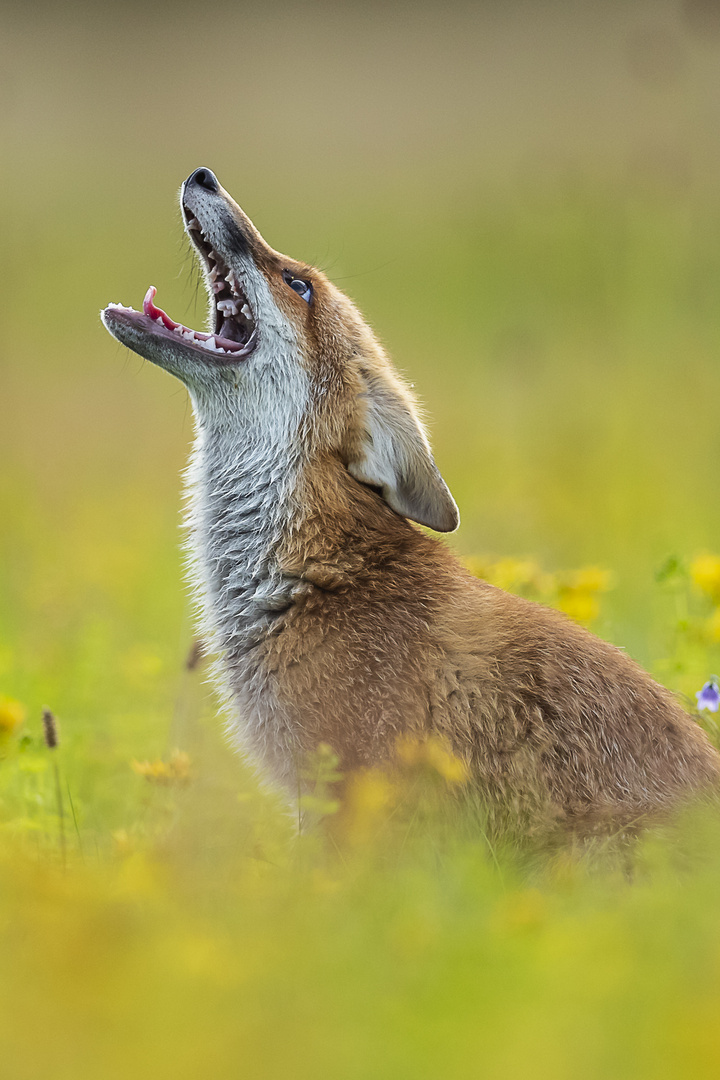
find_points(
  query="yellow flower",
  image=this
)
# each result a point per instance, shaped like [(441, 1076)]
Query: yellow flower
[(12, 715), (434, 753), (478, 567), (580, 606), (705, 575), (515, 575), (591, 579), (577, 593), (369, 794), (410, 750), (452, 769), (174, 771)]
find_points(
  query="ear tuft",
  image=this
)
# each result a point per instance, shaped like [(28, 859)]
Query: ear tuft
[(393, 454)]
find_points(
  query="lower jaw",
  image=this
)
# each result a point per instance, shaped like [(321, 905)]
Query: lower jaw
[(212, 342), (190, 343)]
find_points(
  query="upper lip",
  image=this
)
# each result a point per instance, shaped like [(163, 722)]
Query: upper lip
[(232, 335), (232, 311)]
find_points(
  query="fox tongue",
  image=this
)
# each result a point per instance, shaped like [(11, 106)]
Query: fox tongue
[(156, 312), (233, 343), (231, 330)]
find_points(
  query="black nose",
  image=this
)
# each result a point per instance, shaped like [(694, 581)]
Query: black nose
[(203, 178)]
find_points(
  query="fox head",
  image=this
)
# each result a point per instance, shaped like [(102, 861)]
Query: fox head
[(287, 358)]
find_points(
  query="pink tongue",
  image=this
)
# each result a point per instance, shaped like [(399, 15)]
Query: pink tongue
[(156, 312)]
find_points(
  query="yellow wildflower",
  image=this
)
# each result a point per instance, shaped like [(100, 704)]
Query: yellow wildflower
[(410, 750), (577, 593), (434, 753), (478, 567), (515, 575), (705, 575), (591, 579), (12, 715), (580, 606), (452, 769), (174, 771), (369, 794)]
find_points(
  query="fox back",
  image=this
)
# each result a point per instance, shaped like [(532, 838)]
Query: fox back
[(334, 618)]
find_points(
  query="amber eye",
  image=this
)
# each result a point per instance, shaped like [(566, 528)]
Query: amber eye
[(302, 288)]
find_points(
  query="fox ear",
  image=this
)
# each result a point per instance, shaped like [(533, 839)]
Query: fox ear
[(392, 453)]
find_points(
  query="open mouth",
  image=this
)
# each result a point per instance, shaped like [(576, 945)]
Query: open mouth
[(233, 334)]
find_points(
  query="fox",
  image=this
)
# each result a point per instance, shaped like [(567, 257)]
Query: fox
[(336, 619)]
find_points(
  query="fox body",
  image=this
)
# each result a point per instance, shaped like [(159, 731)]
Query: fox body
[(335, 618)]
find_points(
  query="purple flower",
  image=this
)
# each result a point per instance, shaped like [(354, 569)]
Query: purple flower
[(709, 696)]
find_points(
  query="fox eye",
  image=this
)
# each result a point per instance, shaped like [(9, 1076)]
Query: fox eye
[(302, 288)]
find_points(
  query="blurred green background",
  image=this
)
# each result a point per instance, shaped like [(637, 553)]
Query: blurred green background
[(524, 200)]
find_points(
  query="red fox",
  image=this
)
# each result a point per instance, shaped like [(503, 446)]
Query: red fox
[(335, 618)]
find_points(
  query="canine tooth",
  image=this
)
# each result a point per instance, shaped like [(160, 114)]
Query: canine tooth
[(213, 272), (227, 306), (193, 223), (245, 310)]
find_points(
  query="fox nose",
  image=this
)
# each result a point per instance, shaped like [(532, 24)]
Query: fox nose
[(204, 178)]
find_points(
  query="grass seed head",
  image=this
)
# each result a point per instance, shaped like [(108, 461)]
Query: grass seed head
[(50, 729)]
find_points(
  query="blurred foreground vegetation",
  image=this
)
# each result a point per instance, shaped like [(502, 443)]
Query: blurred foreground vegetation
[(164, 917)]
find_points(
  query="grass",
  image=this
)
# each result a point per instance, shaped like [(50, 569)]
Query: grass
[(172, 922)]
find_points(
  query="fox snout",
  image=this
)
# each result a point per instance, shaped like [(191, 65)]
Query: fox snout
[(335, 619), (287, 356)]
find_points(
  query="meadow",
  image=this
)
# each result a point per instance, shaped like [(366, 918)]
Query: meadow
[(523, 201)]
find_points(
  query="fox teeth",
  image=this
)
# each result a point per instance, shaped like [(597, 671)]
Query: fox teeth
[(229, 307), (193, 223), (245, 310), (211, 345)]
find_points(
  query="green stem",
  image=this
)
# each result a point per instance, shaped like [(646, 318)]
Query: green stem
[(61, 812)]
